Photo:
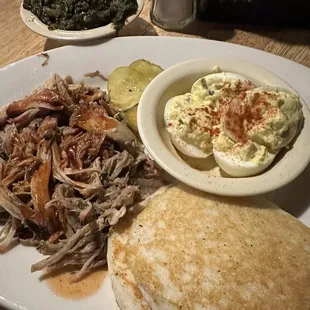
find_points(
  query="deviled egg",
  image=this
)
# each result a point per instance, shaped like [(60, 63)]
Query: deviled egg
[(241, 159), (221, 85), (244, 126), (188, 120)]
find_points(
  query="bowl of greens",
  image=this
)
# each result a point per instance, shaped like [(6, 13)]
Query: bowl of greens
[(78, 20)]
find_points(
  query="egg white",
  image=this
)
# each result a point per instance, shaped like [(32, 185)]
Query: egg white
[(236, 167), (212, 79), (184, 147)]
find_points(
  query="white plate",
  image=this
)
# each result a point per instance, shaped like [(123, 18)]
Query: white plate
[(178, 80), (37, 26), (19, 289)]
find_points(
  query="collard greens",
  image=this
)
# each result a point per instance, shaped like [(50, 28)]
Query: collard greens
[(81, 14)]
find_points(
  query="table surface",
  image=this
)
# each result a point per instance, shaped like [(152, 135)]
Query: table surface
[(17, 41)]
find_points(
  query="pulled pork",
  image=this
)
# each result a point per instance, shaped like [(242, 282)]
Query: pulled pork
[(68, 172)]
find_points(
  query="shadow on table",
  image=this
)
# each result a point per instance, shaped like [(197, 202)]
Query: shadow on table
[(281, 34), (294, 197), (225, 31), (210, 30), (137, 28)]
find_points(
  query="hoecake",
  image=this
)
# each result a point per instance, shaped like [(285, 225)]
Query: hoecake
[(126, 291), (192, 250)]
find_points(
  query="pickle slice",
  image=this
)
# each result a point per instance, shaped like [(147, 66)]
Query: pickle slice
[(147, 68), (131, 118), (125, 87)]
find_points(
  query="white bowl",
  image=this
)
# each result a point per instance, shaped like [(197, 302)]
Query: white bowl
[(178, 80), (33, 22)]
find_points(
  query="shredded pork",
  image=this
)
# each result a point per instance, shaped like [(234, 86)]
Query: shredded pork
[(69, 169)]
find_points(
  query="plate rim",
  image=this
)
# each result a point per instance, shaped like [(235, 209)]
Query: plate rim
[(202, 43), (182, 171), (159, 38)]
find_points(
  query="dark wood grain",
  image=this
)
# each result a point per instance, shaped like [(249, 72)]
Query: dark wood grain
[(17, 41)]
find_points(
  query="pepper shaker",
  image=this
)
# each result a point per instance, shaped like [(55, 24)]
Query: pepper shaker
[(173, 14)]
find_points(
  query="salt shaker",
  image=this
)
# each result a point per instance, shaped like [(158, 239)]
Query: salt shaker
[(173, 14)]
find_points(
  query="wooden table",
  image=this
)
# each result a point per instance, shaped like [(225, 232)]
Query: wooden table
[(17, 41)]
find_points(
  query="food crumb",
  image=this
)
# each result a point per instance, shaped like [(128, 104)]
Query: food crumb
[(96, 74), (47, 57)]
